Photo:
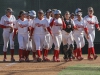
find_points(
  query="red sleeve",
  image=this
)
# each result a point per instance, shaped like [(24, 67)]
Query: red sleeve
[(97, 25), (48, 28), (32, 29), (86, 30), (14, 33), (74, 27), (64, 25), (2, 26), (52, 23)]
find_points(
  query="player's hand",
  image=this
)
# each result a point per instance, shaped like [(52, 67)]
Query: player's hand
[(62, 18), (30, 38), (98, 29), (87, 36)]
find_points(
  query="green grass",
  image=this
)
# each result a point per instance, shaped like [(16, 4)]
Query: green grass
[(81, 70)]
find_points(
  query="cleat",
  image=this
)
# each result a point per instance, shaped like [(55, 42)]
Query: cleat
[(95, 57), (73, 57), (21, 60), (39, 59), (66, 60), (70, 59), (4, 60), (46, 59), (58, 60), (27, 60), (80, 58), (12, 60), (89, 58)]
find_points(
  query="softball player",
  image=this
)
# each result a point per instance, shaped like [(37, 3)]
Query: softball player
[(48, 38), (57, 24), (67, 37), (7, 23), (22, 27), (79, 34), (31, 46), (39, 26), (91, 21), (32, 14)]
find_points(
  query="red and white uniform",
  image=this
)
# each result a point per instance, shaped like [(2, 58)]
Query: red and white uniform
[(48, 39), (22, 27), (79, 34), (57, 25), (30, 21), (39, 28), (7, 21), (91, 22)]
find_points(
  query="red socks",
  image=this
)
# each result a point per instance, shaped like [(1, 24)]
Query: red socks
[(20, 53), (75, 52), (56, 53), (45, 52), (39, 53), (79, 52), (4, 55), (12, 53), (34, 54), (91, 51)]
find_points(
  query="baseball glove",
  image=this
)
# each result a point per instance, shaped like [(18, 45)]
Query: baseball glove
[(11, 30)]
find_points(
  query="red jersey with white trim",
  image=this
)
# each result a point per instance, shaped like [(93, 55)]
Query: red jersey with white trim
[(57, 27), (22, 26), (40, 26), (80, 25), (90, 22), (7, 21)]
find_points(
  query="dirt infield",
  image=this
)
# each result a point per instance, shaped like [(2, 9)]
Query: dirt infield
[(43, 68)]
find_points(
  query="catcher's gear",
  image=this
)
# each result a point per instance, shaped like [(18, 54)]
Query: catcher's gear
[(11, 30)]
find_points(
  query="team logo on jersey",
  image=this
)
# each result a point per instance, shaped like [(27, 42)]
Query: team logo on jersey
[(40, 25), (57, 24), (90, 22), (7, 22)]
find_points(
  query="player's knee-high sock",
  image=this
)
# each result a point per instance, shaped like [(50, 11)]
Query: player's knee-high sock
[(20, 53), (45, 52), (4, 55), (39, 53), (34, 54), (57, 56), (75, 52), (12, 53), (89, 52), (55, 53), (93, 51), (80, 52)]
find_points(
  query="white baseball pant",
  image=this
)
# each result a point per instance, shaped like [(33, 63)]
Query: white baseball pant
[(48, 42), (23, 41), (33, 44), (57, 39), (39, 40), (79, 39), (91, 37), (6, 37)]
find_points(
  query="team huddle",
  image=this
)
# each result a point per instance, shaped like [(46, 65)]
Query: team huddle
[(38, 34)]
